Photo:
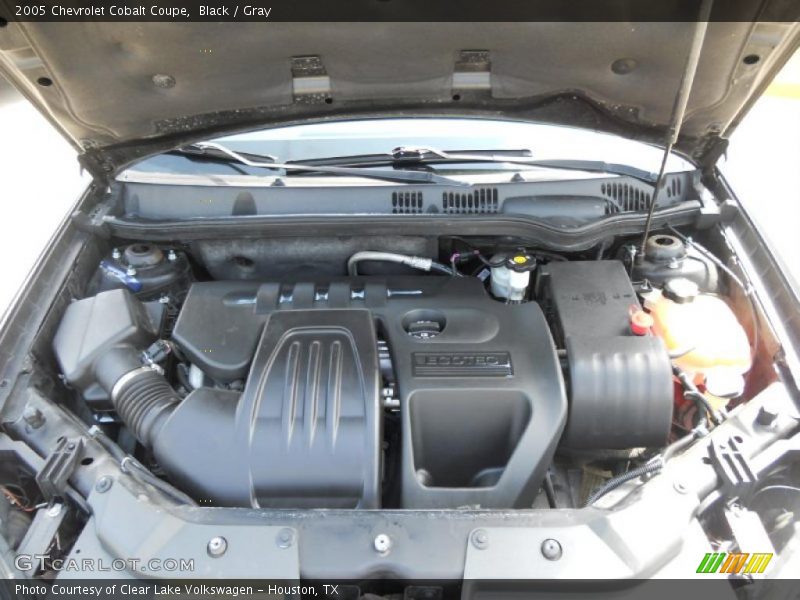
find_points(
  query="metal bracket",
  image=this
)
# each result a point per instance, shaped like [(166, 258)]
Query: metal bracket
[(310, 81), (733, 468), (473, 71), (59, 466)]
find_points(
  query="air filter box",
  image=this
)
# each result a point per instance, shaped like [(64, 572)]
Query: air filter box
[(619, 384)]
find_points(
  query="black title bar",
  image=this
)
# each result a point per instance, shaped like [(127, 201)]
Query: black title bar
[(392, 10)]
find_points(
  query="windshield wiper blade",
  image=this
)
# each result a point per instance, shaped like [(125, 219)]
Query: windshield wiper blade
[(214, 151), (432, 156), (597, 166), (413, 155)]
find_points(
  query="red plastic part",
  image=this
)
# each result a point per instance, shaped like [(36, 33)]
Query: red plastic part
[(641, 322)]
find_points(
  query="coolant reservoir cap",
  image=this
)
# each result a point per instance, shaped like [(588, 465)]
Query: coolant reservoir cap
[(680, 290)]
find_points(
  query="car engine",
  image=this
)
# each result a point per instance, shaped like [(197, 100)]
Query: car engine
[(367, 391)]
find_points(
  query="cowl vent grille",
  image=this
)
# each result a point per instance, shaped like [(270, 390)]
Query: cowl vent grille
[(406, 203), (673, 187), (479, 201), (625, 197)]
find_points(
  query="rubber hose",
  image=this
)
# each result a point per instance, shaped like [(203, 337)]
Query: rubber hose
[(143, 401), (141, 395)]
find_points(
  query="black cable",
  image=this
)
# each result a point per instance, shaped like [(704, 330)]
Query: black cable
[(710, 256), (475, 251), (683, 443), (132, 467), (548, 255), (549, 490), (690, 392), (615, 482), (490, 263), (653, 466)]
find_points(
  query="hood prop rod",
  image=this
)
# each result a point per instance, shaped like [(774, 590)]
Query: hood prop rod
[(678, 111)]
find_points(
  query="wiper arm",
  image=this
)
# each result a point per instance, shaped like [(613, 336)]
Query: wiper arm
[(215, 151), (597, 166), (432, 156), (413, 155)]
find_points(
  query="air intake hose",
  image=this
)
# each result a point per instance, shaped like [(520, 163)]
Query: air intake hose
[(140, 394), (99, 341)]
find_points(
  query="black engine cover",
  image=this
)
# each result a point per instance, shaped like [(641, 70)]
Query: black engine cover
[(481, 393), (306, 431)]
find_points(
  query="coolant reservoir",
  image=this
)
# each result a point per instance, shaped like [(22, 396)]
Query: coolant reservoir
[(699, 329)]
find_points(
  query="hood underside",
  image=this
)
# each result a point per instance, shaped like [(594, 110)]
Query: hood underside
[(121, 91)]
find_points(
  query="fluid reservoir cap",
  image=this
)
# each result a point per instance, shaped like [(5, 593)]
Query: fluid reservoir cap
[(680, 290), (521, 262)]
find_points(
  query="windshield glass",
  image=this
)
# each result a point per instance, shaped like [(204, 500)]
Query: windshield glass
[(381, 136)]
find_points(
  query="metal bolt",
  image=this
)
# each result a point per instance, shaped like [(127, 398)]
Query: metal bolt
[(551, 549), (217, 546), (382, 543), (33, 417), (103, 484), (285, 538), (164, 299), (116, 254), (54, 510), (171, 255), (130, 271), (480, 539)]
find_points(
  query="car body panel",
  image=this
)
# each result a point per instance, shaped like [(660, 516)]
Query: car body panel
[(120, 91)]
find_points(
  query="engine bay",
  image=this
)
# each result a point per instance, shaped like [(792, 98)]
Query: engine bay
[(333, 313), (490, 375), (404, 394)]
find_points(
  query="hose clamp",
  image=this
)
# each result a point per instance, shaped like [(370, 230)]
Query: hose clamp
[(125, 379)]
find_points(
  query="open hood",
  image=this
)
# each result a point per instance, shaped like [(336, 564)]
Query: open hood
[(121, 91)]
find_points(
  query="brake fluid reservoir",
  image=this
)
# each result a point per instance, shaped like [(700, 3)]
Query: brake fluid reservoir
[(700, 330), (511, 275)]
